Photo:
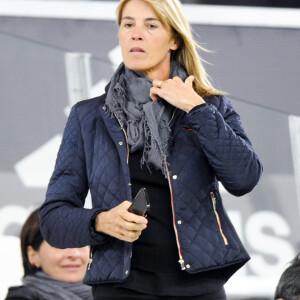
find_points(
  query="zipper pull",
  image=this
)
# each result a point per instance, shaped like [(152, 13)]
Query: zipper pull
[(214, 201), (91, 258), (90, 262), (213, 198), (181, 262)]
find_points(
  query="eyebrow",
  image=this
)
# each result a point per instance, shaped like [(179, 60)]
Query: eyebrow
[(147, 19)]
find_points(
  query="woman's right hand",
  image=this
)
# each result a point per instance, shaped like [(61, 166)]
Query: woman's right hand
[(120, 223)]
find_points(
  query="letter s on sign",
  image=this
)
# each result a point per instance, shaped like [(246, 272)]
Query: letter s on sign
[(270, 245)]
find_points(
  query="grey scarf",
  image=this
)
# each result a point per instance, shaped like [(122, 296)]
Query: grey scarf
[(146, 121), (49, 288)]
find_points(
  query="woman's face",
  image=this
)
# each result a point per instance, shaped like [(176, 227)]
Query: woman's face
[(146, 45), (68, 265)]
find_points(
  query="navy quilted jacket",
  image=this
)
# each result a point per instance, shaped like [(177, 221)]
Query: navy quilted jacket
[(205, 146)]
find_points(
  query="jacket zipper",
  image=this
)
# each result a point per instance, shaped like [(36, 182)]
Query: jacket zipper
[(214, 202), (181, 260), (172, 116), (91, 258), (127, 146)]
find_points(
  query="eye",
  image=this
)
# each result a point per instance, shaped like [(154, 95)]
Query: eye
[(151, 26), (128, 25)]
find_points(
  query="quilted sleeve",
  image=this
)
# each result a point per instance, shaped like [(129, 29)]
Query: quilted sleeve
[(226, 145), (64, 221)]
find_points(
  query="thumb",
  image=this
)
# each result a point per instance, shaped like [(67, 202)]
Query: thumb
[(126, 204), (189, 81)]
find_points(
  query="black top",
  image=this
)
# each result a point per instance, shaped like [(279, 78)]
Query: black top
[(21, 293), (155, 250), (154, 265)]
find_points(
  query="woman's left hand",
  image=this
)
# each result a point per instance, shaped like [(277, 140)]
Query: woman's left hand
[(178, 93)]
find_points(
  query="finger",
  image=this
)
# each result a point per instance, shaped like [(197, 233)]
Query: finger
[(153, 93), (133, 234), (177, 79), (129, 235), (127, 239), (120, 210), (134, 226), (123, 238), (157, 83), (126, 204), (133, 218), (189, 81), (127, 216), (137, 235)]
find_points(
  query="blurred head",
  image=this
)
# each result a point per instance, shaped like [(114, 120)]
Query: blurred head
[(288, 287), (67, 265), (166, 30)]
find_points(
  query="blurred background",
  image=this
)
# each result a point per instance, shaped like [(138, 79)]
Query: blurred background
[(55, 53)]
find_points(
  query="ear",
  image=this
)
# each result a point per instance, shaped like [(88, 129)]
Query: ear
[(175, 43), (33, 257)]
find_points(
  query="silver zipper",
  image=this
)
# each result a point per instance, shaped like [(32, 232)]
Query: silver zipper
[(127, 145), (181, 260), (214, 202)]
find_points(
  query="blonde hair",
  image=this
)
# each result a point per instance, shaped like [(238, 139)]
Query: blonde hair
[(170, 13)]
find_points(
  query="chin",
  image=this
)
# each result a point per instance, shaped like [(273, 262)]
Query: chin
[(73, 279), (136, 66)]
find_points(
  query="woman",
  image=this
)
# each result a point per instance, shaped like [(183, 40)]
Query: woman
[(49, 273), (160, 125)]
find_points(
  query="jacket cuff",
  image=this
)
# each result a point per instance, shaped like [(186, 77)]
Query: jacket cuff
[(96, 237), (197, 106), (192, 118)]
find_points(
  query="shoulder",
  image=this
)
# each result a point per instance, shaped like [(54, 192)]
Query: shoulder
[(90, 105), (21, 293), (220, 102), (86, 110)]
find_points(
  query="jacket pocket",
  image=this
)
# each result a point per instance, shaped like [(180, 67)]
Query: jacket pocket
[(214, 203)]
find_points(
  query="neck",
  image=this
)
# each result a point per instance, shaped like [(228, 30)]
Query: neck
[(160, 73)]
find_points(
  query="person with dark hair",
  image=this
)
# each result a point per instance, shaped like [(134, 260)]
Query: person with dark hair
[(49, 273), (288, 287)]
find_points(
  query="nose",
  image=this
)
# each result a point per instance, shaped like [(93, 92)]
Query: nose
[(137, 33), (73, 253)]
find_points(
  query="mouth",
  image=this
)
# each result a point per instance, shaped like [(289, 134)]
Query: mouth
[(71, 267), (137, 50)]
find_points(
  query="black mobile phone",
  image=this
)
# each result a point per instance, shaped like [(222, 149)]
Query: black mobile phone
[(140, 204)]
